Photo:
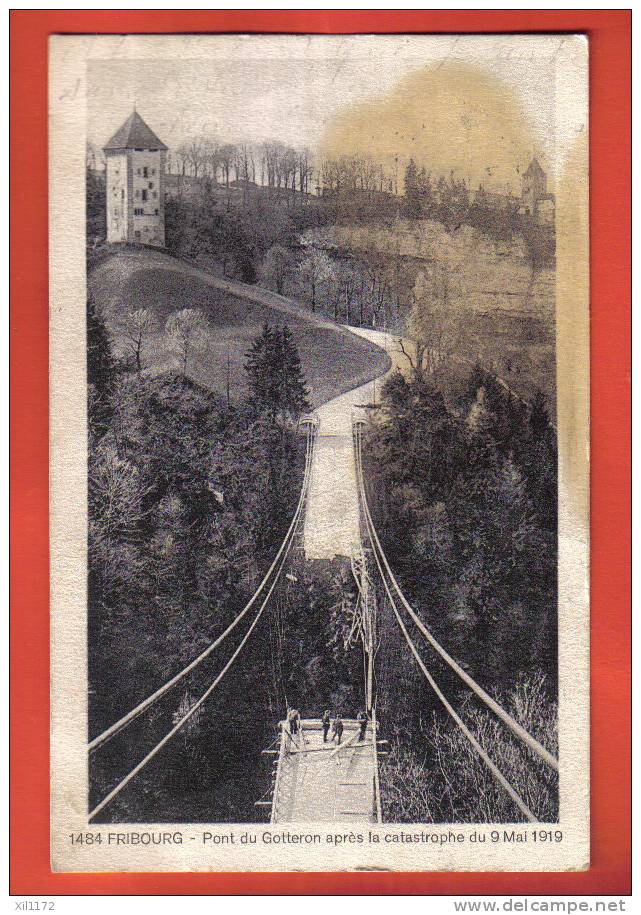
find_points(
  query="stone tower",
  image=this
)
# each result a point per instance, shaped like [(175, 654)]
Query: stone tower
[(135, 184), (533, 187)]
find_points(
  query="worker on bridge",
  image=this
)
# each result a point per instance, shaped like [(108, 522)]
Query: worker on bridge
[(294, 721), (326, 721), (362, 721), (337, 729)]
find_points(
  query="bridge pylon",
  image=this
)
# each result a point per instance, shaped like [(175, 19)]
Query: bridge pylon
[(361, 561)]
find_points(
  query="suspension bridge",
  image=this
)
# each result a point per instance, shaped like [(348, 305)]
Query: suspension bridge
[(315, 778)]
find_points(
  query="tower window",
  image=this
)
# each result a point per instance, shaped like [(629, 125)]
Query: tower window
[(151, 184), (155, 195), (156, 211), (144, 195), (145, 172)]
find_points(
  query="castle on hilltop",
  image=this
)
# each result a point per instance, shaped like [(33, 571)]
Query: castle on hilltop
[(135, 184)]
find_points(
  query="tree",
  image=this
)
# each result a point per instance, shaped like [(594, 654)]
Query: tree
[(116, 494), (187, 330), (431, 327), (294, 391), (227, 156), (136, 325), (211, 157), (412, 199), (275, 374), (278, 265), (317, 269), (182, 158), (95, 204), (194, 151), (101, 368)]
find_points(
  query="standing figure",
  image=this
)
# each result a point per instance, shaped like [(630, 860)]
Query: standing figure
[(362, 720), (337, 729), (294, 719), (326, 721)]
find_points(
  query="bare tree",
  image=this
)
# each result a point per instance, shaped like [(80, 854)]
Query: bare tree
[(376, 271), (432, 327), (278, 264), (347, 286), (94, 157), (227, 156), (195, 155), (187, 331), (211, 158), (182, 158), (116, 494), (317, 269), (136, 325)]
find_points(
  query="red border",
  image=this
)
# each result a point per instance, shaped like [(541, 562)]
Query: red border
[(610, 59)]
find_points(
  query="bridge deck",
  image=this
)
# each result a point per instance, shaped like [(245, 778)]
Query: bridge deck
[(316, 785)]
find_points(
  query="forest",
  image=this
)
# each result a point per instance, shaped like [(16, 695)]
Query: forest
[(189, 498), (464, 496)]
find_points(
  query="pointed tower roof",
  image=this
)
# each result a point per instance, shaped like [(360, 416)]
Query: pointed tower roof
[(134, 134), (534, 168)]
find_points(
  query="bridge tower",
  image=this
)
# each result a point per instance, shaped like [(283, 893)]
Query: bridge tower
[(361, 563)]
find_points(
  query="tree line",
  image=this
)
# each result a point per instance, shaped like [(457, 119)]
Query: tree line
[(451, 201)]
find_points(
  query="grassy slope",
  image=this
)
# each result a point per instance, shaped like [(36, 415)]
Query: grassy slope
[(333, 359)]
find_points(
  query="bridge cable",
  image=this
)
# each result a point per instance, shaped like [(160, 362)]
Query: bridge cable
[(498, 775), (507, 719), (144, 705), (132, 774)]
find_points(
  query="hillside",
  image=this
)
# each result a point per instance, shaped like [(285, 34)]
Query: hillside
[(503, 306), (334, 360)]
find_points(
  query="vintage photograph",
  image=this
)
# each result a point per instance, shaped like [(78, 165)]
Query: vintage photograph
[(323, 431)]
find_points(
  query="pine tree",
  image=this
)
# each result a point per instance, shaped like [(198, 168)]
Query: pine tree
[(101, 367), (275, 374), (412, 201), (295, 393), (100, 362)]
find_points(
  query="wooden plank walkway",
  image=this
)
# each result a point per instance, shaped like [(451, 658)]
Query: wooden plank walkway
[(315, 785)]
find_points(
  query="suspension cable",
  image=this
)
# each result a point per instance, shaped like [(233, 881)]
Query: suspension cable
[(132, 774), (518, 730), (144, 705), (121, 784), (496, 772)]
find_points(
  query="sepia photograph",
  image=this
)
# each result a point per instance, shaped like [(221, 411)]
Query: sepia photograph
[(323, 414)]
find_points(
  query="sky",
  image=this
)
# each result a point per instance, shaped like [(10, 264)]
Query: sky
[(298, 89)]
